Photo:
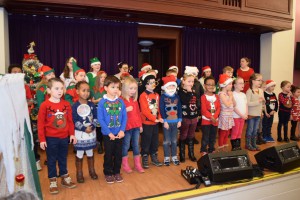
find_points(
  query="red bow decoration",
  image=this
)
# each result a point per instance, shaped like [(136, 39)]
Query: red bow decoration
[(29, 56)]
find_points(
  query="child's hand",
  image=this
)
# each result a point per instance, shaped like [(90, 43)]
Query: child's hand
[(43, 145), (166, 125), (88, 129), (156, 120), (112, 136), (141, 129), (230, 94), (213, 119), (161, 120), (129, 108), (245, 117), (73, 139), (268, 115), (120, 135), (178, 124), (272, 112)]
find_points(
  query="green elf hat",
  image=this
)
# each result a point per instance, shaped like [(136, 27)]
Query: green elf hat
[(95, 61), (44, 70), (76, 69)]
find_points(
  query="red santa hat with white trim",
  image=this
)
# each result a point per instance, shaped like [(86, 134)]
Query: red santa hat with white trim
[(224, 80), (191, 70), (168, 80), (206, 69), (146, 67), (270, 83), (174, 67)]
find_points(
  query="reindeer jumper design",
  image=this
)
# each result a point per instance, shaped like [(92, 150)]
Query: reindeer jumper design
[(171, 108), (60, 120)]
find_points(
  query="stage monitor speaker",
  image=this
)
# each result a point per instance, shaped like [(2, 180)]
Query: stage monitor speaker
[(279, 158), (226, 166)]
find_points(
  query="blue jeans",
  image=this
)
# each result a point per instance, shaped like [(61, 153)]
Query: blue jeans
[(170, 140), (252, 127), (133, 135), (57, 150)]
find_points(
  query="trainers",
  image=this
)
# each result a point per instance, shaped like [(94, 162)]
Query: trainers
[(145, 162), (155, 161), (38, 165), (269, 139), (118, 178), (167, 161), (109, 179), (175, 160), (66, 181), (53, 186)]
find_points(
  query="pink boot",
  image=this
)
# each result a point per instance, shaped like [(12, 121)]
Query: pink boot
[(137, 164), (125, 165)]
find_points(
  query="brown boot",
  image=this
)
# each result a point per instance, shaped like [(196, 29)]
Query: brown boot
[(79, 173), (53, 186), (66, 181), (92, 168)]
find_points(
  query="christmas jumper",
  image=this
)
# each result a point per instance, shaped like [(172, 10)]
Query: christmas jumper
[(41, 95), (170, 108), (295, 112), (134, 119), (271, 102), (149, 102), (189, 104), (84, 115), (71, 94), (210, 107), (246, 76), (112, 115), (284, 100), (91, 79), (55, 120)]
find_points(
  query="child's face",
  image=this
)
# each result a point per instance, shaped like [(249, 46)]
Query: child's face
[(207, 73), (132, 89), (102, 78), (112, 89), (188, 82), (83, 91), (271, 89), (286, 88), (151, 85), (210, 85), (80, 76), (263, 86), (16, 70), (49, 76), (173, 74), (124, 68), (171, 89), (244, 63), (229, 73), (96, 67), (239, 85), (297, 93), (57, 90), (257, 82), (229, 87)]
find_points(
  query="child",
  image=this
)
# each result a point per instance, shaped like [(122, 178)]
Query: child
[(173, 70), (271, 107), (149, 103), (190, 113), (84, 117), (112, 118), (171, 112), (41, 90), (226, 115), (295, 112), (284, 113), (55, 124), (229, 72), (97, 94), (240, 113), (144, 69), (67, 76), (79, 75), (245, 71), (206, 72), (210, 109), (133, 126), (95, 68), (259, 139), (256, 100)]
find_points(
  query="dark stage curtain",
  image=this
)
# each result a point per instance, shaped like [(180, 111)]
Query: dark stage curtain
[(58, 38), (219, 49)]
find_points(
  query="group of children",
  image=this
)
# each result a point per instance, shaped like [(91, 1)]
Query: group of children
[(115, 110)]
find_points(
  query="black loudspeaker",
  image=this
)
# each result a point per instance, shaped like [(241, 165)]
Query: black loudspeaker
[(226, 166), (279, 158)]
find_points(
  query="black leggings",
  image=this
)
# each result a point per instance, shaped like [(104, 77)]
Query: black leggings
[(293, 128), (284, 118)]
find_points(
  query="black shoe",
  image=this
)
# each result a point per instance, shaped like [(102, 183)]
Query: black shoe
[(197, 129), (279, 139), (145, 162), (100, 149), (294, 138), (195, 141), (286, 140)]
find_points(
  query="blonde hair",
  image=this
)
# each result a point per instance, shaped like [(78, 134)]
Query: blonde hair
[(227, 68), (125, 87)]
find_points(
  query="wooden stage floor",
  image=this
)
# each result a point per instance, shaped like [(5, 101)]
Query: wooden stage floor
[(155, 180)]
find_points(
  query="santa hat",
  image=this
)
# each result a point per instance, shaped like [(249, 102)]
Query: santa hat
[(224, 80), (174, 67), (191, 70), (168, 80), (270, 83), (146, 67), (206, 69), (95, 61), (141, 73), (76, 69), (146, 77), (44, 70)]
